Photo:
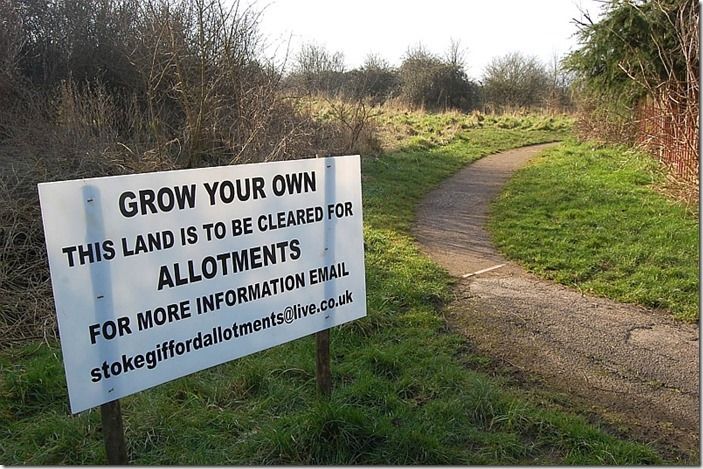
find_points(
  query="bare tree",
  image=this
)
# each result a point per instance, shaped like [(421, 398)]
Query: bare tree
[(456, 54), (557, 97), (316, 70)]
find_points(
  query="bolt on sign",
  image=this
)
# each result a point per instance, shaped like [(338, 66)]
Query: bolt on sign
[(159, 275)]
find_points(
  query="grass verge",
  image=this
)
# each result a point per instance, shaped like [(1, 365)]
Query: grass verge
[(588, 216), (401, 394)]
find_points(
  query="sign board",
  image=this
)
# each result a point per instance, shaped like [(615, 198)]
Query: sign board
[(159, 275)]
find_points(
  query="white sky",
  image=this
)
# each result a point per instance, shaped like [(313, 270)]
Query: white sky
[(485, 28)]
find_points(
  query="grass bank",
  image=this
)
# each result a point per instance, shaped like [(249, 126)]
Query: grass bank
[(589, 217), (403, 392)]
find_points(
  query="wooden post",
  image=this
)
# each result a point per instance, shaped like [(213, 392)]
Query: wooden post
[(113, 432), (322, 368)]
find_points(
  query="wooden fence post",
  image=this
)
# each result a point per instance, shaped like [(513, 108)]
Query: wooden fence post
[(322, 368), (113, 432)]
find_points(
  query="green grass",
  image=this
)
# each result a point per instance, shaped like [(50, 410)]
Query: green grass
[(404, 390), (588, 217), (398, 128)]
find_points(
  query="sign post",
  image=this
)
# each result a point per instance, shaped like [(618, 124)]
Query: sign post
[(159, 275), (113, 433), (323, 373)]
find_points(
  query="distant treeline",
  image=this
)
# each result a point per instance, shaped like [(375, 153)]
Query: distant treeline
[(433, 82), (164, 51)]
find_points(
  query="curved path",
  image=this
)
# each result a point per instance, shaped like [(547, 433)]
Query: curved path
[(634, 368)]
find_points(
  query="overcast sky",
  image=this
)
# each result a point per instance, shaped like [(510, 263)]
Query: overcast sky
[(485, 29)]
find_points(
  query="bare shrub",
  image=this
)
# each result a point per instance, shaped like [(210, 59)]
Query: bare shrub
[(515, 81), (430, 82), (11, 43), (26, 308), (375, 82), (65, 136), (355, 120), (317, 71)]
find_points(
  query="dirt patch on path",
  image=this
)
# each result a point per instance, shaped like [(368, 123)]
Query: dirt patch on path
[(635, 368)]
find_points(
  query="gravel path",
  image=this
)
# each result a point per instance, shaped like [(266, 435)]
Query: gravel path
[(636, 369)]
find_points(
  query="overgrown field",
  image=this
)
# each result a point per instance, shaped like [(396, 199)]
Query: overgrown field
[(588, 217), (406, 390)]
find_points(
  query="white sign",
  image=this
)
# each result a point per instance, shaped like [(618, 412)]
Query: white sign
[(159, 275)]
